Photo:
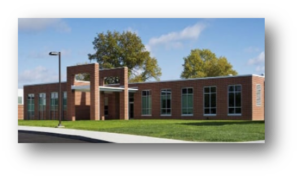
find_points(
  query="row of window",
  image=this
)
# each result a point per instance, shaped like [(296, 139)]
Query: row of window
[(209, 101), (187, 101), (42, 102)]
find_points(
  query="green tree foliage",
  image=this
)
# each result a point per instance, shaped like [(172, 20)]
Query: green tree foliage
[(115, 49), (204, 63)]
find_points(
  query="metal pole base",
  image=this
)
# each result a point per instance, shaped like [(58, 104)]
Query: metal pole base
[(60, 126)]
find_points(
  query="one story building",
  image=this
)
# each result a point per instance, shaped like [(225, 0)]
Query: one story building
[(108, 95)]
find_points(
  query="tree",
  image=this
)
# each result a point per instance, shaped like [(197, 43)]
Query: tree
[(118, 50), (204, 63), (82, 76)]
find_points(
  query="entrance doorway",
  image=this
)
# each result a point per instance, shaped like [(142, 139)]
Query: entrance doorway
[(131, 110), (131, 105), (106, 107)]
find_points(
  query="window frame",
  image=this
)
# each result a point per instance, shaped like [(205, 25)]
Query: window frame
[(182, 101), (147, 101), (30, 106), (65, 98), (44, 97), (51, 99), (209, 100), (20, 100), (31, 100), (161, 102), (234, 114)]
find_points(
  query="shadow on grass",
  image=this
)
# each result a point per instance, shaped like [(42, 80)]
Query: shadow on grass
[(218, 123)]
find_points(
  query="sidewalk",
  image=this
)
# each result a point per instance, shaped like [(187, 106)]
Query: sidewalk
[(112, 137)]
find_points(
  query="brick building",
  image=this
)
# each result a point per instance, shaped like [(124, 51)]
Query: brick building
[(108, 95), (20, 104)]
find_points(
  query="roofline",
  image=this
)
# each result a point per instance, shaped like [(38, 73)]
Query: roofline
[(44, 83), (83, 64), (204, 78), (102, 88), (103, 69)]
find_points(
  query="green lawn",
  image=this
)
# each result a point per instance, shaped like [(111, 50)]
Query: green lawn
[(190, 130)]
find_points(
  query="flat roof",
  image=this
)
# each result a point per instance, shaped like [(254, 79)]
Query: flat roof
[(204, 78)]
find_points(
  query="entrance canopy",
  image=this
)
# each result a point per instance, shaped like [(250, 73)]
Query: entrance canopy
[(103, 88)]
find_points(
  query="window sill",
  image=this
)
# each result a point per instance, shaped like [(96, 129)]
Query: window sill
[(187, 114), (165, 115), (147, 115), (234, 114), (209, 114)]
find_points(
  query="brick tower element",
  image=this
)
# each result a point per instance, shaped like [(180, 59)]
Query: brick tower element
[(93, 70)]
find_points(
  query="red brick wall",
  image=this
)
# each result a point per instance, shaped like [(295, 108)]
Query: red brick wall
[(82, 101), (82, 105), (258, 111), (36, 90), (197, 85), (118, 102), (20, 112), (122, 99), (93, 70)]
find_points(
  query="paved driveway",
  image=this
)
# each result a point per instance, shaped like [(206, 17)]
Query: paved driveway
[(41, 137)]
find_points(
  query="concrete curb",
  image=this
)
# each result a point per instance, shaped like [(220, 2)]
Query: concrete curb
[(114, 137)]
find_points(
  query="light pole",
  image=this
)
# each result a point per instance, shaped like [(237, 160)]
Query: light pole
[(59, 88)]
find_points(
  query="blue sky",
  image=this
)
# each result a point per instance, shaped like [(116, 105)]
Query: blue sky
[(241, 41)]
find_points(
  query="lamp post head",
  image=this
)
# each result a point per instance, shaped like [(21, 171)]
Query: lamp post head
[(54, 53)]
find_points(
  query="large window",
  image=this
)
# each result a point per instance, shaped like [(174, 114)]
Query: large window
[(166, 97), (65, 101), (234, 99), (54, 101), (210, 100), (258, 95), (30, 106), (20, 100), (146, 102), (42, 106), (187, 101), (42, 102)]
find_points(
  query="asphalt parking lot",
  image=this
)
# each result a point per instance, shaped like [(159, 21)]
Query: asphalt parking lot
[(44, 137)]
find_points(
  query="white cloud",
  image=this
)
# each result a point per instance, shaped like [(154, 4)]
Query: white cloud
[(132, 30), (174, 39), (39, 74), (257, 60), (40, 24), (260, 68), (147, 47), (251, 49)]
